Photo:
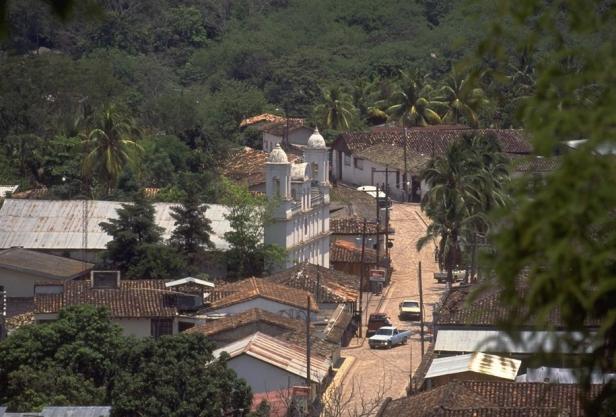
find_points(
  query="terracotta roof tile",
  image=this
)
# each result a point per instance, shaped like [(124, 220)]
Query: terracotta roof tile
[(247, 166), (353, 225), (262, 118), (486, 309), (251, 288), (486, 398), (353, 202), (213, 327), (342, 251), (134, 298), (326, 285)]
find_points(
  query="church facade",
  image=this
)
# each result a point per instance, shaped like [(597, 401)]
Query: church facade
[(300, 190)]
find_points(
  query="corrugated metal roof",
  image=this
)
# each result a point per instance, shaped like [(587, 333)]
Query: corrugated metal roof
[(99, 411), (561, 376), (478, 362), (282, 355), (4, 189), (58, 224), (498, 341)]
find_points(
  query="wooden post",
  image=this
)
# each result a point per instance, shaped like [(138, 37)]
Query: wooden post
[(378, 225), (421, 310), (361, 276), (308, 379)]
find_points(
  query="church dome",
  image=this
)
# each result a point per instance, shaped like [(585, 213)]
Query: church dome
[(277, 156), (315, 140)]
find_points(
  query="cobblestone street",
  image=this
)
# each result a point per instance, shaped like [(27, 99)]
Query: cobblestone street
[(385, 373)]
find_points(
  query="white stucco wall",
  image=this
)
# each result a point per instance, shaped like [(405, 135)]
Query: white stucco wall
[(139, 327), (261, 376), (265, 304), (20, 284)]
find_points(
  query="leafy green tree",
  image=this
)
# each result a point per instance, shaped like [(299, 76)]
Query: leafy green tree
[(69, 361), (335, 110), (176, 376), (410, 102), (136, 247), (562, 237), (191, 235), (463, 98), (465, 184), (110, 147), (247, 255)]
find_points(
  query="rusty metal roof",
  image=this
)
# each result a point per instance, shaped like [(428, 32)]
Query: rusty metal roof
[(58, 224), (280, 354)]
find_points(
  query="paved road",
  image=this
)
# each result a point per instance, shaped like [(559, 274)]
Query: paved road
[(383, 373)]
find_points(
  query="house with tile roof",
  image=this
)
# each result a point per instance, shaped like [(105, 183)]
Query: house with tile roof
[(358, 156), (226, 330), (238, 297), (21, 269), (142, 308), (267, 364), (493, 399)]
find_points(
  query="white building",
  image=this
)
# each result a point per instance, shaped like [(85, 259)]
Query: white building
[(300, 222)]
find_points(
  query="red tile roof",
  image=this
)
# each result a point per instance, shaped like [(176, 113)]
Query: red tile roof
[(254, 315), (251, 288), (325, 284), (433, 139), (134, 298), (262, 118), (485, 309), (498, 399), (353, 225), (342, 251), (247, 166)]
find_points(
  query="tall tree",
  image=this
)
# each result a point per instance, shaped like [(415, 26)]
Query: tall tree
[(336, 109), (110, 146), (464, 99), (136, 247), (411, 101), (191, 235), (176, 376)]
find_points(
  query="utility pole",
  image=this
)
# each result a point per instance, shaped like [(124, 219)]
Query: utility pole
[(406, 171), (361, 276), (378, 225), (308, 379), (421, 310)]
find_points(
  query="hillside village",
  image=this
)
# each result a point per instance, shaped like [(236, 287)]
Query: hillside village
[(299, 209)]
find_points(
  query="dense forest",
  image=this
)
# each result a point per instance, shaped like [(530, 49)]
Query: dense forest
[(175, 78)]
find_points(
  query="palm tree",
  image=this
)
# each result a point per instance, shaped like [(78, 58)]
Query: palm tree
[(463, 100), (465, 184), (411, 103), (336, 109), (110, 146)]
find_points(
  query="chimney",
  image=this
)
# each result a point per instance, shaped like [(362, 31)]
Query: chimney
[(105, 279)]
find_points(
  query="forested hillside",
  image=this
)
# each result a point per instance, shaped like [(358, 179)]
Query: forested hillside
[(181, 74)]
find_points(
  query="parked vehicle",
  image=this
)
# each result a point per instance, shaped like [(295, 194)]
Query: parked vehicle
[(376, 321), (441, 277), (409, 309), (388, 337), (382, 198)]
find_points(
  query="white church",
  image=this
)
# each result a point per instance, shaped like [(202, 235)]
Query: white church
[(300, 222)]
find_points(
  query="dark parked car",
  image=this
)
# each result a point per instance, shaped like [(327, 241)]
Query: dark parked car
[(376, 321)]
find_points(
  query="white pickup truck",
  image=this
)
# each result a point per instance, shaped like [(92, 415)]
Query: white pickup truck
[(387, 337)]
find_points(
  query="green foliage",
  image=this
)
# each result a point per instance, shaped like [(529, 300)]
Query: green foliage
[(465, 184), (336, 109), (411, 102), (136, 248), (64, 362), (247, 255), (82, 358), (176, 376), (191, 234)]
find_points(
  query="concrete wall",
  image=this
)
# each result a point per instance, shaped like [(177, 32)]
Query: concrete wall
[(261, 376), (20, 284), (366, 176), (265, 304)]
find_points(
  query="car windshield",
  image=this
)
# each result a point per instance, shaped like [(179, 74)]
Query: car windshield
[(384, 332), (410, 304)]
